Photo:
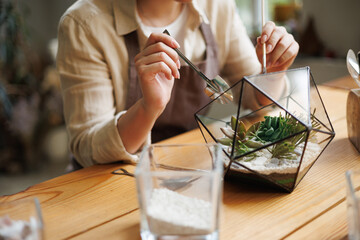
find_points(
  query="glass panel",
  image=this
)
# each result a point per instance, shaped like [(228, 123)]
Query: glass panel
[(272, 142), (278, 162), (316, 144), (318, 108), (293, 96)]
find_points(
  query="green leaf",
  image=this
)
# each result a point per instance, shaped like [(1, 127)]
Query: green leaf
[(252, 129), (269, 132), (228, 132), (240, 128), (275, 135), (267, 121), (225, 141), (233, 122), (274, 122), (253, 144)]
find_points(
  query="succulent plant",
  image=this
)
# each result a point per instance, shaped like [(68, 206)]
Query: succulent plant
[(272, 129)]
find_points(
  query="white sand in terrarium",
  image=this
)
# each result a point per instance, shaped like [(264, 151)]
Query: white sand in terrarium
[(170, 213), (264, 164)]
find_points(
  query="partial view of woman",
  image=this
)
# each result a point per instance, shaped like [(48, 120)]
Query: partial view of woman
[(123, 82)]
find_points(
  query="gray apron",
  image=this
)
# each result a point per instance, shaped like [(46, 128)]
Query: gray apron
[(187, 95)]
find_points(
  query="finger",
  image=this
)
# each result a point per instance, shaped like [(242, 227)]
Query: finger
[(146, 72), (259, 49), (162, 37), (267, 30), (279, 49), (275, 37), (288, 56), (160, 57), (159, 47)]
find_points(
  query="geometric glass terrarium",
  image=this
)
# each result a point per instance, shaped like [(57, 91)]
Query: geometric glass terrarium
[(274, 143)]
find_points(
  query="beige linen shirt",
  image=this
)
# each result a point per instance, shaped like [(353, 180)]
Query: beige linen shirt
[(93, 64)]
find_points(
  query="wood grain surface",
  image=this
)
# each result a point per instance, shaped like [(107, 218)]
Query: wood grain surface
[(92, 203), (346, 83)]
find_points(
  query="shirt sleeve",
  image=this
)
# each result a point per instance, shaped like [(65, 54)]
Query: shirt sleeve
[(89, 105)]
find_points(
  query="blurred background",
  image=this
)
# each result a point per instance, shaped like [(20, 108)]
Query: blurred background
[(33, 139)]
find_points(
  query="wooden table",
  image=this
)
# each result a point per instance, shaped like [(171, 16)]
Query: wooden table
[(94, 204)]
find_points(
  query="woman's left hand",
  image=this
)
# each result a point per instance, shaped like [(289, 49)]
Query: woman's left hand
[(281, 47)]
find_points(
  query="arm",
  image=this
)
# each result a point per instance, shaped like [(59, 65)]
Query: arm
[(281, 51), (157, 66), (97, 133), (281, 47), (87, 88), (244, 60)]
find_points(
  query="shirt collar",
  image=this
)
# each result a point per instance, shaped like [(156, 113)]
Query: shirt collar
[(126, 22)]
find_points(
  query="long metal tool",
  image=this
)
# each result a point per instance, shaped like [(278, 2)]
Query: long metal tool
[(262, 28), (215, 86)]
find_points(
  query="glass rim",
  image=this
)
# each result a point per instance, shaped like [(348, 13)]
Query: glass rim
[(217, 166), (349, 181), (34, 200), (350, 187)]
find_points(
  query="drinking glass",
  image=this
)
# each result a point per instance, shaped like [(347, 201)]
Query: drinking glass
[(353, 203), (21, 219), (180, 191)]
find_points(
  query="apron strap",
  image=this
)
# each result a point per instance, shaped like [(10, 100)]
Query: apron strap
[(188, 94), (132, 46), (211, 68)]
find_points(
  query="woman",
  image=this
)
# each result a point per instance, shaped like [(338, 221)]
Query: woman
[(122, 79)]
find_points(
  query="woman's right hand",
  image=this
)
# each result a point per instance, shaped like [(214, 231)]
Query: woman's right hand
[(157, 65)]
